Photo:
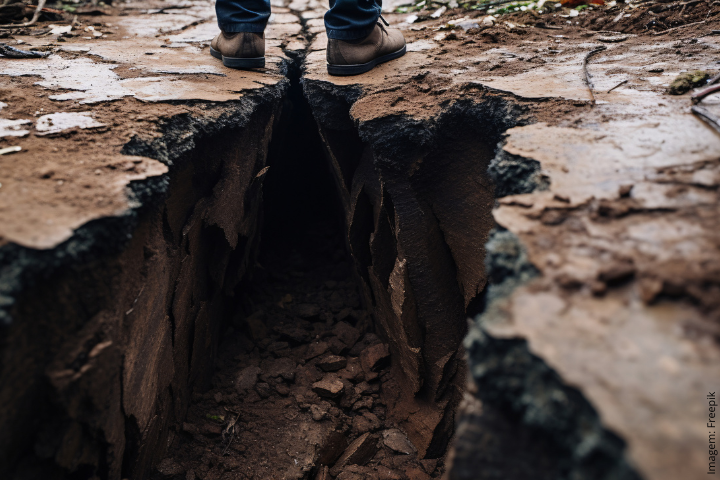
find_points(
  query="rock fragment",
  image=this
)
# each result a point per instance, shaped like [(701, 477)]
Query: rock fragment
[(398, 442), (316, 349), (329, 387), (306, 310), (263, 389), (281, 367), (346, 333), (359, 452), (319, 412), (247, 378), (373, 358), (169, 467), (332, 363), (353, 370), (366, 422), (414, 473)]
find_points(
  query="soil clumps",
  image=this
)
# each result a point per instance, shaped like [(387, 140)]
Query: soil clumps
[(299, 385)]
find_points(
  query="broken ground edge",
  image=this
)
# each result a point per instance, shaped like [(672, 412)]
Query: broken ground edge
[(22, 267), (24, 270), (379, 178), (514, 383)]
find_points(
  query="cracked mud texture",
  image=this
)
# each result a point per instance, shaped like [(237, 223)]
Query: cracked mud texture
[(612, 202)]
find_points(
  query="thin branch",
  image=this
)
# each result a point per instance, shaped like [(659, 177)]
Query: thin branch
[(679, 27), (711, 88), (616, 86), (588, 82), (36, 15)]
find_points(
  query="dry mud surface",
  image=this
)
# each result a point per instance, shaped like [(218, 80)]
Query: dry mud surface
[(478, 173)]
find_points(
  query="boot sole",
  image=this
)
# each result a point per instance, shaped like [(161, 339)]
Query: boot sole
[(240, 63), (344, 70)]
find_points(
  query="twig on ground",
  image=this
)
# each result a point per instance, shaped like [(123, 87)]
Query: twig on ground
[(36, 15), (230, 429), (12, 52), (547, 27), (616, 86), (678, 27), (588, 82), (704, 115), (698, 96), (711, 88), (493, 3)]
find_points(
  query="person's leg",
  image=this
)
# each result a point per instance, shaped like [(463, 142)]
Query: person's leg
[(242, 15), (241, 42), (352, 19)]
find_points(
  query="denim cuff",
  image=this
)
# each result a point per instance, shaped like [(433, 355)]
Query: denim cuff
[(350, 34), (242, 27)]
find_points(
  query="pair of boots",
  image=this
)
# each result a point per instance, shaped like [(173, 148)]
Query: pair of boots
[(247, 50)]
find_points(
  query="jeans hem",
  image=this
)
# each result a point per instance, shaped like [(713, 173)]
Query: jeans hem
[(353, 34), (242, 27)]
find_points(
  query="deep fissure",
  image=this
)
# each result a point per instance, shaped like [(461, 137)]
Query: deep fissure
[(303, 291)]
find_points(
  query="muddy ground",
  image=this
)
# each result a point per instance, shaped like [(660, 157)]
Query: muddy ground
[(480, 176)]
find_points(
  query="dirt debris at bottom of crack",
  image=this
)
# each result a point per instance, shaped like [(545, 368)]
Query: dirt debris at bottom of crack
[(298, 391)]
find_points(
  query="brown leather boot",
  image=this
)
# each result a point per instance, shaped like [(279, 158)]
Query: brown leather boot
[(383, 44), (239, 50)]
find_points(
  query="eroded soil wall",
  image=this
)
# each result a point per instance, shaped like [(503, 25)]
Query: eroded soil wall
[(103, 352), (417, 200)]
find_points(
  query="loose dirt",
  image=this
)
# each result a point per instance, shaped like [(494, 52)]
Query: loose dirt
[(300, 385)]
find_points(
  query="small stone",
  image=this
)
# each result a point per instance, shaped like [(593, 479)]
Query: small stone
[(263, 389), (397, 441), (367, 340), (218, 397), (364, 402), (328, 387), (359, 452), (276, 347), (361, 425), (306, 310), (169, 467), (189, 428), (316, 349), (281, 367), (318, 412), (343, 314), (374, 421), (332, 363), (292, 333), (353, 370), (336, 346), (346, 333), (190, 475), (308, 374), (429, 465), (282, 389), (247, 378), (373, 358), (385, 473), (414, 473)]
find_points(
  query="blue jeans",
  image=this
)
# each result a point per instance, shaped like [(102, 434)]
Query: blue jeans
[(346, 19)]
